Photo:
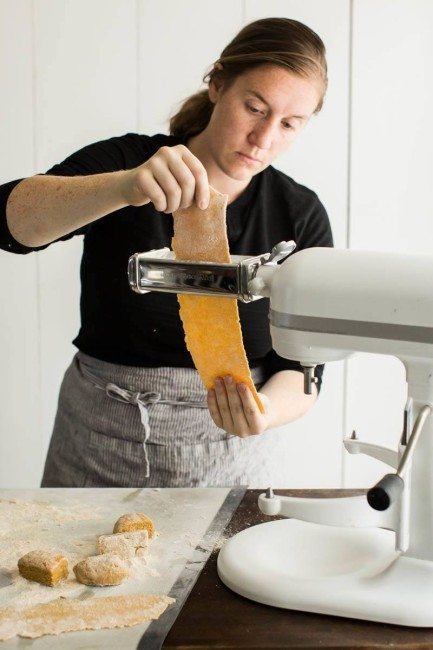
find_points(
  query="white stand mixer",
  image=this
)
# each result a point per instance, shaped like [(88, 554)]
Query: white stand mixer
[(367, 557)]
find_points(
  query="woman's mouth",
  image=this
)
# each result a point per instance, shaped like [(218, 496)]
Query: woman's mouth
[(248, 159)]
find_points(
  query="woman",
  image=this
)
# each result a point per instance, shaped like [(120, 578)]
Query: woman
[(132, 410)]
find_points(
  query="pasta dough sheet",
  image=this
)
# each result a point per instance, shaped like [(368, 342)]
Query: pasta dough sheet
[(212, 329), (69, 615)]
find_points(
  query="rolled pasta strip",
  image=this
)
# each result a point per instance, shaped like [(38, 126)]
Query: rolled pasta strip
[(211, 324)]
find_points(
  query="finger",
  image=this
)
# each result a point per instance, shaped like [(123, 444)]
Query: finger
[(184, 178), (251, 410), (168, 184), (223, 404), (212, 405), (202, 194), (151, 190), (240, 422)]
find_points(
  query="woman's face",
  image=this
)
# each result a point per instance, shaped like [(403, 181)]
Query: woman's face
[(257, 118)]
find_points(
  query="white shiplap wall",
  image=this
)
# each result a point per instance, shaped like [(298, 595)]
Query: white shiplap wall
[(20, 428), (73, 72)]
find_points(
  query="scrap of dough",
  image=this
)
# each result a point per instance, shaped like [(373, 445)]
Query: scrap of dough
[(101, 570), (125, 545), (212, 329), (69, 615), (134, 521), (8, 623), (45, 567)]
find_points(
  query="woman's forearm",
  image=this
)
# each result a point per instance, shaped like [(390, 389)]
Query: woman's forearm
[(41, 209), (288, 401)]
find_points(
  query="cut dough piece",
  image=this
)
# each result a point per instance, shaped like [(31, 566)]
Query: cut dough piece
[(45, 567), (125, 545), (212, 329), (101, 570), (64, 615), (134, 521)]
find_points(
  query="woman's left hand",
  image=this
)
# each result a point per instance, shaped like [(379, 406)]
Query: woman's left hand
[(234, 409)]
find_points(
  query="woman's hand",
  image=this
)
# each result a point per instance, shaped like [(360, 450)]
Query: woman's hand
[(234, 409), (171, 179)]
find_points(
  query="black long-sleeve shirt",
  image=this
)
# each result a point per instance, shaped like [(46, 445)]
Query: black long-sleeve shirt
[(120, 326)]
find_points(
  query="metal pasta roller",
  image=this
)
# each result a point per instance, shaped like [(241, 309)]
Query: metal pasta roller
[(158, 270)]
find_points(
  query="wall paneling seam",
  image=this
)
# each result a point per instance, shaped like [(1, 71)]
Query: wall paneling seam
[(348, 228), (37, 261), (138, 62)]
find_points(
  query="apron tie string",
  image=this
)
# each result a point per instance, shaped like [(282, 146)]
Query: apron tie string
[(141, 400)]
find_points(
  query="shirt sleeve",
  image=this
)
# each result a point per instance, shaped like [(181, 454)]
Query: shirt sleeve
[(7, 241), (114, 154), (313, 229), (273, 363)]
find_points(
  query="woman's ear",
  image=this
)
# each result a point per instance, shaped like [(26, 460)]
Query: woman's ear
[(214, 90)]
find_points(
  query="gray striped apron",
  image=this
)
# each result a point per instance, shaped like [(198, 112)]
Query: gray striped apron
[(125, 426)]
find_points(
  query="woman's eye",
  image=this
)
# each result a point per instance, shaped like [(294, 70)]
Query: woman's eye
[(288, 126), (252, 109)]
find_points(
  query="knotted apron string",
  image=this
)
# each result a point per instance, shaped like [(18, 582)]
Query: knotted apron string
[(142, 400)]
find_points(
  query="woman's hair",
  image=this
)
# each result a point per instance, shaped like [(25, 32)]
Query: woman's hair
[(269, 41)]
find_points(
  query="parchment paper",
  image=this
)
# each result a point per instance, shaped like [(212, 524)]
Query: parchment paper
[(70, 520)]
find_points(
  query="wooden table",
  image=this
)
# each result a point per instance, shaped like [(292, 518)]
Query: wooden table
[(215, 617)]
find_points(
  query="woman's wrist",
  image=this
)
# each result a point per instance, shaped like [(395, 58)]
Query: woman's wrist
[(124, 188), (130, 190)]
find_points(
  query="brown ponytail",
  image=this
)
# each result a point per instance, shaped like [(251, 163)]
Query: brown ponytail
[(269, 41)]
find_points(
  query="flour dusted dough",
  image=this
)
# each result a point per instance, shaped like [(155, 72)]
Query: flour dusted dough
[(212, 330), (101, 570), (65, 615), (134, 521), (45, 567), (125, 545)]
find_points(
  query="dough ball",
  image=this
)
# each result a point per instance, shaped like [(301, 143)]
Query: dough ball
[(101, 570), (124, 545), (45, 567), (134, 521)]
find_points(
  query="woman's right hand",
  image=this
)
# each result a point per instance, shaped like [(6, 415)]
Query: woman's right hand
[(171, 179)]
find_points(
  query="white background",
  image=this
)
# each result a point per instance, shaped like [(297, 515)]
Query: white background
[(76, 71)]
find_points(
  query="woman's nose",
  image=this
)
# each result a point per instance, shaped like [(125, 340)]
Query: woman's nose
[(262, 135)]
